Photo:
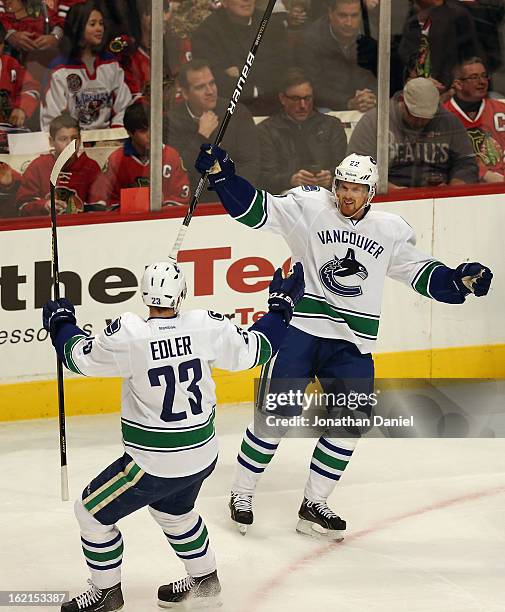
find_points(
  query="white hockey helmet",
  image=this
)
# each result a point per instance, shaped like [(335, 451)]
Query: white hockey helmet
[(163, 285), (358, 169)]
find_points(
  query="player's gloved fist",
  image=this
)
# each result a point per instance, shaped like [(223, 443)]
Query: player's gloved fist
[(56, 312), (473, 278), (285, 293), (216, 162)]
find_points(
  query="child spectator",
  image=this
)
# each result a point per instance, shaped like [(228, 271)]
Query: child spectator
[(129, 166), (86, 82), (74, 182), (19, 92)]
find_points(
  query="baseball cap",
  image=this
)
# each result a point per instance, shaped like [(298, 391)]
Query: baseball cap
[(421, 97)]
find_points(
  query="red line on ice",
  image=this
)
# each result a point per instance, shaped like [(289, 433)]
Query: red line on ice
[(261, 594)]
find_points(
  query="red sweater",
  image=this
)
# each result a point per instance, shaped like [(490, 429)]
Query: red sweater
[(18, 89), (73, 186), (125, 169)]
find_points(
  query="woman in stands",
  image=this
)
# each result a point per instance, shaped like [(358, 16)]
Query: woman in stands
[(86, 81)]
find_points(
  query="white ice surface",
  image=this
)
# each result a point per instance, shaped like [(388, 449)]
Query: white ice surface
[(426, 524)]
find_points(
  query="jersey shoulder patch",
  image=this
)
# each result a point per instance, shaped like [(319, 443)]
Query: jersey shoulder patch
[(217, 316), (113, 327), (311, 188)]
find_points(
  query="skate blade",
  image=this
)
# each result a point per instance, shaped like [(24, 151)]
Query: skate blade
[(316, 531), (242, 529), (193, 603)]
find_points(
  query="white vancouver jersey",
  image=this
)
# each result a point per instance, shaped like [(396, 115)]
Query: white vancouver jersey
[(345, 261), (168, 396)]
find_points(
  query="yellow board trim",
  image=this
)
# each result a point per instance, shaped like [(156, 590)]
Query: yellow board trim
[(34, 400)]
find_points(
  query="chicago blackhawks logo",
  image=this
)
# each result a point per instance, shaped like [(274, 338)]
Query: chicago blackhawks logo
[(486, 147), (340, 268)]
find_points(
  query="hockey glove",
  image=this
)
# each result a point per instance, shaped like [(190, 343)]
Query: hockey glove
[(217, 162), (285, 293), (57, 312), (472, 278)]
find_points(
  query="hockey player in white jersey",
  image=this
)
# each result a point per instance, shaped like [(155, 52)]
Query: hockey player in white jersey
[(167, 421), (347, 250)]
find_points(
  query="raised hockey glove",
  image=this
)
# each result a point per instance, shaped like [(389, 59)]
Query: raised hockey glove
[(472, 278), (285, 293), (56, 312), (217, 162)]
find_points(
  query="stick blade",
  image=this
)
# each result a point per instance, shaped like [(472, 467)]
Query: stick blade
[(65, 155)]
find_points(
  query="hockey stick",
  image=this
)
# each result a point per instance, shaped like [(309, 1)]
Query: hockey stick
[(224, 124), (65, 155)]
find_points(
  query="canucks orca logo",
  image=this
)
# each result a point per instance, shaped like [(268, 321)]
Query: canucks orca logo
[(347, 266)]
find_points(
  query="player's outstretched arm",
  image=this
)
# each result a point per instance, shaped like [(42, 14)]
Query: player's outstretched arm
[(58, 318), (453, 286), (239, 349), (236, 194), (104, 355), (284, 294)]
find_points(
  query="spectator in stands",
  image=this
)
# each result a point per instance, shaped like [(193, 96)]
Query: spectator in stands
[(329, 57), (10, 180), (19, 91), (129, 166), (442, 34), (180, 23), (299, 145), (73, 189), (86, 81), (224, 40), (482, 117), (196, 121), (31, 26), (427, 145), (488, 18)]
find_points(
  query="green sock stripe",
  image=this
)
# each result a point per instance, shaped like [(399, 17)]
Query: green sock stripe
[(255, 455), (332, 462), (122, 481), (105, 556), (193, 545)]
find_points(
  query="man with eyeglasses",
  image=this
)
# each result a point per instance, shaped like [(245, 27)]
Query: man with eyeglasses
[(299, 145), (482, 116)]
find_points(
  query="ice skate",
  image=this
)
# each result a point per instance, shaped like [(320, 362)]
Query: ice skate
[(96, 600), (201, 592), (318, 520), (241, 511)]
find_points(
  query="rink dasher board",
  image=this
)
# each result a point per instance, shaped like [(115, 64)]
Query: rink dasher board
[(228, 267)]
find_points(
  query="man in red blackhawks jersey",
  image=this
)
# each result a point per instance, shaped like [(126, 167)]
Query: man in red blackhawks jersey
[(482, 116), (129, 165), (74, 182)]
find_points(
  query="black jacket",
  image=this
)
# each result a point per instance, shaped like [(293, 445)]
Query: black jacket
[(240, 140), (335, 77), (224, 43), (452, 38), (324, 141)]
